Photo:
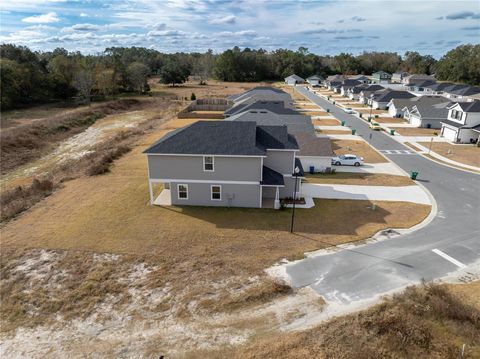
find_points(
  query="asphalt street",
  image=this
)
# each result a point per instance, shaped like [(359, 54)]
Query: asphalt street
[(450, 242)]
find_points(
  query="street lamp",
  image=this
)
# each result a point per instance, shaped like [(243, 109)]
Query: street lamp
[(296, 172)]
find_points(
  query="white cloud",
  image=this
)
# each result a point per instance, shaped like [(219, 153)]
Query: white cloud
[(42, 19), (229, 19), (159, 26), (166, 33), (82, 14)]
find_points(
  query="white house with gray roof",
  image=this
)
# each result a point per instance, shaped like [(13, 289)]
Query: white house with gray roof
[(463, 122), (225, 164), (293, 80), (315, 80)]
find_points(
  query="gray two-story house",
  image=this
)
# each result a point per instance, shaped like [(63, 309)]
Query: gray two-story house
[(225, 163)]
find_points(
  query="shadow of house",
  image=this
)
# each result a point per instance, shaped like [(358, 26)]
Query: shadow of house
[(320, 220)]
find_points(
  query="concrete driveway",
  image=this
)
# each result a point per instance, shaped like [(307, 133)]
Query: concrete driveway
[(448, 244), (414, 194), (385, 168)]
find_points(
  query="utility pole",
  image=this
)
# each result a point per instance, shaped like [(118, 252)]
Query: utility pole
[(430, 147)]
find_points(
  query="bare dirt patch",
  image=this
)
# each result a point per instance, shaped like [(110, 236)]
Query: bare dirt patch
[(374, 112), (315, 113), (359, 148), (366, 179), (466, 154)]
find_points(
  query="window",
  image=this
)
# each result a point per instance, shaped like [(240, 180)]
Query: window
[(208, 163), (216, 193), (182, 190)]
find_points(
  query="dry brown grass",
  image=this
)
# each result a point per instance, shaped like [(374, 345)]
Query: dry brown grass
[(30, 141), (326, 122), (466, 154), (367, 179), (413, 131), (424, 322), (388, 120), (374, 112), (315, 113), (359, 148), (347, 131)]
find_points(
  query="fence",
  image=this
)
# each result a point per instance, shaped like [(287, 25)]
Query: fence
[(206, 105)]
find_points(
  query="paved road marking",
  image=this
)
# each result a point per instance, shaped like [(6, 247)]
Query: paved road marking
[(448, 258), (397, 152)]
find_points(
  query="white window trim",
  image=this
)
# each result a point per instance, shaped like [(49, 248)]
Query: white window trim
[(211, 192), (178, 191), (213, 164)]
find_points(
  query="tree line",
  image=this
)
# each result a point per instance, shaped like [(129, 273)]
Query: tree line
[(29, 77)]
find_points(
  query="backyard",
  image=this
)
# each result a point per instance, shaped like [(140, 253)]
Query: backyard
[(466, 154)]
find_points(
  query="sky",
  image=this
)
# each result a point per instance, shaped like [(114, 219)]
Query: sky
[(324, 27)]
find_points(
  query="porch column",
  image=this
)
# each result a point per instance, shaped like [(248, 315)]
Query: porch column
[(276, 204), (151, 191)]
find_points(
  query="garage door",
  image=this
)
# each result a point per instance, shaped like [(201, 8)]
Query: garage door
[(414, 120), (449, 134)]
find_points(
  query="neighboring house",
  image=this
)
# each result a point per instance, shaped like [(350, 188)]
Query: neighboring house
[(313, 151), (361, 78), (348, 84), (335, 86), (380, 99), (422, 86), (396, 106), (315, 80), (259, 93), (258, 106), (465, 93), (437, 88), (399, 76), (381, 77), (463, 122), (411, 79), (427, 115), (293, 80), (367, 93), (224, 164), (270, 113), (333, 78), (355, 92)]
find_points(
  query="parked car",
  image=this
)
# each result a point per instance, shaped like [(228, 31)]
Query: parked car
[(347, 160), (375, 126), (348, 110)]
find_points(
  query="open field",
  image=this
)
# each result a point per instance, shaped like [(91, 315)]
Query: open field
[(425, 322), (467, 154), (408, 131), (359, 148), (326, 122), (364, 179)]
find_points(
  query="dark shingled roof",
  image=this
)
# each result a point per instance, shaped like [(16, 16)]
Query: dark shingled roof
[(473, 106), (271, 177), (387, 95), (277, 107), (224, 138)]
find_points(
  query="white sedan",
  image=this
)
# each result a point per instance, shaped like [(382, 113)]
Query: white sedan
[(347, 160), (348, 110)]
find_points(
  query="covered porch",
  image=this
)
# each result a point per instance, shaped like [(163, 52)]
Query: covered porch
[(270, 197), (162, 199)]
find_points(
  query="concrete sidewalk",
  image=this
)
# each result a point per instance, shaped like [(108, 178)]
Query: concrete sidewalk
[(385, 168), (333, 127), (414, 194)]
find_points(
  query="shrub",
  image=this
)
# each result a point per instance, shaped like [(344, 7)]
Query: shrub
[(193, 97), (102, 164)]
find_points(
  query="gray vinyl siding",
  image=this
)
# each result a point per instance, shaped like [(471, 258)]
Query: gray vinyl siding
[(234, 195), (191, 167), (280, 161), (287, 191)]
